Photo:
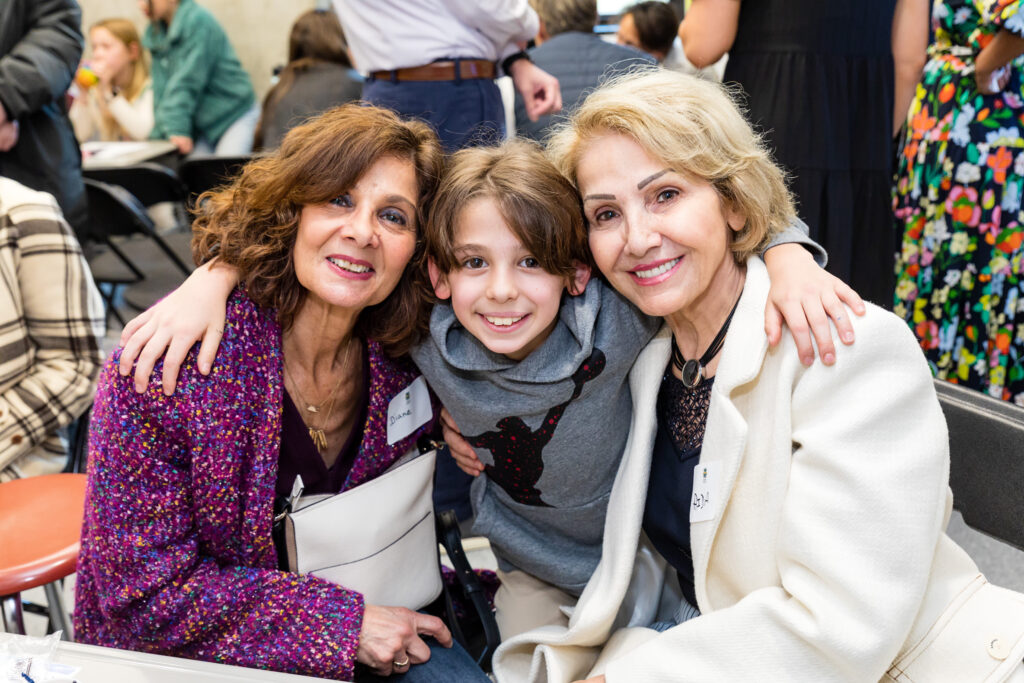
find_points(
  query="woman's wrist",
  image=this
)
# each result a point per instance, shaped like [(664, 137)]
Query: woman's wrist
[(982, 66)]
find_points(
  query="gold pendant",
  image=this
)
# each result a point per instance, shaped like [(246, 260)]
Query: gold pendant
[(319, 439)]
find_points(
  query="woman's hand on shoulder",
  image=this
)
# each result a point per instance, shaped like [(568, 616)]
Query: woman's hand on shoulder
[(463, 453), (194, 311), (806, 297), (595, 679), (391, 636)]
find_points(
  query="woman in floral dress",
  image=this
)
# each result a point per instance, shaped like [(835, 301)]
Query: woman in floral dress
[(958, 199)]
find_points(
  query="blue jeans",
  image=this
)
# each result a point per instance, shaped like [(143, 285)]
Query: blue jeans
[(464, 113), (446, 665), (236, 140)]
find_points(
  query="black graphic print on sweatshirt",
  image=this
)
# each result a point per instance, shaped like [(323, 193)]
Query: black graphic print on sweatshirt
[(518, 451)]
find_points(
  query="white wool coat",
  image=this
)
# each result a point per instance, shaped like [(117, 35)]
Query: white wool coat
[(825, 557)]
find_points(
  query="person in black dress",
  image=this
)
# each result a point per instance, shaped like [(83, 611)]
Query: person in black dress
[(818, 79)]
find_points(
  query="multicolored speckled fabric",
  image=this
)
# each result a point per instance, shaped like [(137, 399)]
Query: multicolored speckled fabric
[(177, 556)]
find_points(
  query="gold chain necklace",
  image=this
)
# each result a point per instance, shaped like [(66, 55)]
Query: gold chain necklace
[(317, 434)]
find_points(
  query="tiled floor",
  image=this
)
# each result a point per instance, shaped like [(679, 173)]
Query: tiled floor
[(1001, 564)]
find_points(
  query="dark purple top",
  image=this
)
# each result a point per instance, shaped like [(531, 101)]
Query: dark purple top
[(300, 457), (177, 556)]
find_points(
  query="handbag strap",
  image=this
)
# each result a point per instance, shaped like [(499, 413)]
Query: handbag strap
[(282, 506), (451, 538)]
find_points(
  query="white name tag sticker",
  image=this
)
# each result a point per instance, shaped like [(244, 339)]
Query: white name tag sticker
[(409, 410), (704, 499)]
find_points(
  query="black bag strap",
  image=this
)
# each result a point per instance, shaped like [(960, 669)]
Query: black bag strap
[(450, 537)]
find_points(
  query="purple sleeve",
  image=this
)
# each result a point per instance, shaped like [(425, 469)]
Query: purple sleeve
[(176, 551)]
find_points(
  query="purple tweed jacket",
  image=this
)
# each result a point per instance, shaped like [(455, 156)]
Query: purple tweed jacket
[(177, 556)]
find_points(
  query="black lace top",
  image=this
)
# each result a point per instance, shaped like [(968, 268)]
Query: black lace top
[(684, 411), (682, 415)]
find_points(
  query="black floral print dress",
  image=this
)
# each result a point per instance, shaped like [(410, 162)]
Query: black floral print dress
[(957, 202)]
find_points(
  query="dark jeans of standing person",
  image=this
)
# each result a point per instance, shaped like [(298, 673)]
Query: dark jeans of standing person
[(464, 112)]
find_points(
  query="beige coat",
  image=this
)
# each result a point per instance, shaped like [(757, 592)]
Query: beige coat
[(825, 557)]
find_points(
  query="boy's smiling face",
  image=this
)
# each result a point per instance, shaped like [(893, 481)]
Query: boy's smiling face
[(499, 291)]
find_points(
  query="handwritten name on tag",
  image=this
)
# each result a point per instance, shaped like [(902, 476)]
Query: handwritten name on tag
[(703, 501), (409, 410)]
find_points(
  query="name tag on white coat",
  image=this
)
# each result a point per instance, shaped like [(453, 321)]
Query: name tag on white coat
[(409, 410), (705, 494)]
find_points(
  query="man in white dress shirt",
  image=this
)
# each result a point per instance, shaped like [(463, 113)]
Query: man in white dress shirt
[(437, 60)]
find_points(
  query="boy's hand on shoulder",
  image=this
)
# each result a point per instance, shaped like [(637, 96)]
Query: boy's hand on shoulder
[(463, 453), (807, 297)]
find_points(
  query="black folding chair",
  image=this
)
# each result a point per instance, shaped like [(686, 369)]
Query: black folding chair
[(132, 251), (205, 173), (986, 449), (78, 443), (150, 183)]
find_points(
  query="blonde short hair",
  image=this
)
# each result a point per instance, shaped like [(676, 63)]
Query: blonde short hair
[(560, 16), (696, 128)]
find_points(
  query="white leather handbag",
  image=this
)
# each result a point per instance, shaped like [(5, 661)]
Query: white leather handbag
[(377, 538)]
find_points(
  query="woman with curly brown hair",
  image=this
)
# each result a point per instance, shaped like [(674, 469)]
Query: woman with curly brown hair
[(177, 553)]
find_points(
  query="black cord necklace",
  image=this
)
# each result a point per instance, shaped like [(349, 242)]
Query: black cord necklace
[(693, 370)]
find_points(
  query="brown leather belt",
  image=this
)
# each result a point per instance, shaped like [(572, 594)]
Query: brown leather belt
[(440, 71)]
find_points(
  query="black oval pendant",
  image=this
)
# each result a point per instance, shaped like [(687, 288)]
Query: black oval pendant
[(692, 374)]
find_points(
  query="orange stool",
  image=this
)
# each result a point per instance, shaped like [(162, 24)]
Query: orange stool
[(40, 527)]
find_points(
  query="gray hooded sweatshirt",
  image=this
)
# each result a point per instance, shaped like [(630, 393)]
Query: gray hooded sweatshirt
[(550, 429)]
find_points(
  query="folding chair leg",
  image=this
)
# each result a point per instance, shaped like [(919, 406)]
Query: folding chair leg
[(170, 254), (108, 299), (118, 316), (10, 607), (139, 275), (59, 618)]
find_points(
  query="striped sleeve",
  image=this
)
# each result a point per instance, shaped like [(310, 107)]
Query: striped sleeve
[(51, 322)]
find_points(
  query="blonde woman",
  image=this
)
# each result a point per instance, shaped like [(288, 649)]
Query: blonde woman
[(770, 521), (119, 106)]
